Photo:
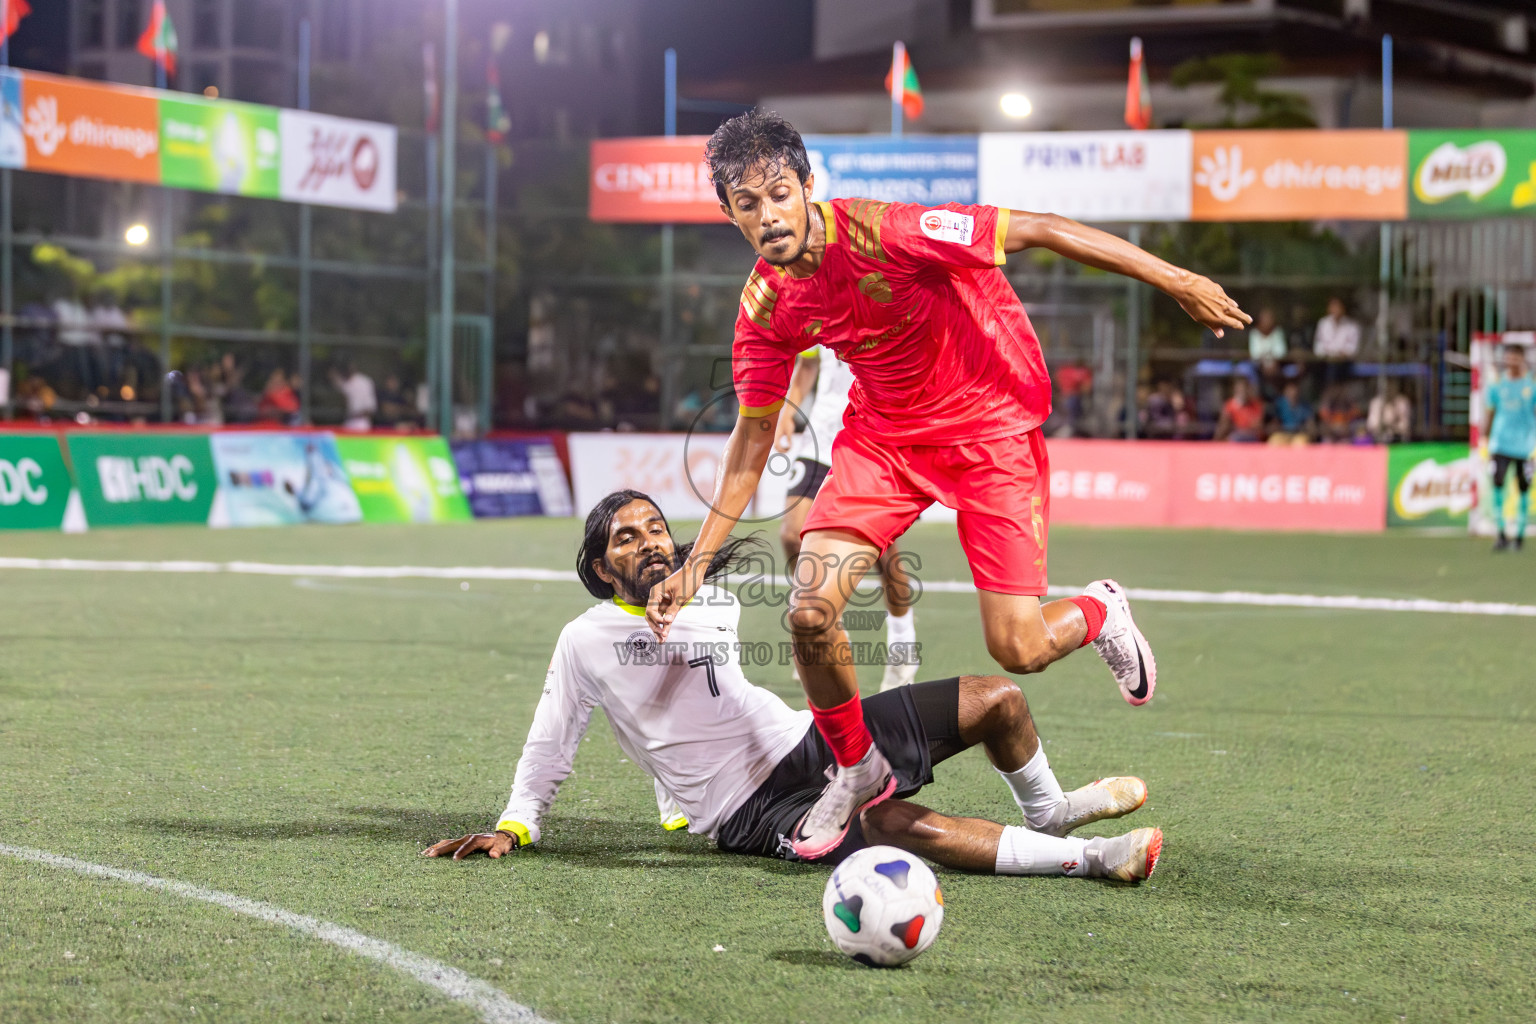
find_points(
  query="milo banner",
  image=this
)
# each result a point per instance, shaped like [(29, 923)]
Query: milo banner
[(36, 491), (278, 479), (1472, 173), (139, 479), (403, 479), (1430, 484)]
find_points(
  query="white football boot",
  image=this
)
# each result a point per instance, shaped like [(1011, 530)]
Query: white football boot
[(897, 675), (1121, 644), (1113, 797), (851, 790), (1127, 858)]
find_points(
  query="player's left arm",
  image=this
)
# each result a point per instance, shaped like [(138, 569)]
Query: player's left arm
[(1203, 299)]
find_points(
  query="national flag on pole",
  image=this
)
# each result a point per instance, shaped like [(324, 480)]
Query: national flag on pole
[(1138, 91), (158, 42), (15, 10), (497, 123), (431, 102), (901, 83)]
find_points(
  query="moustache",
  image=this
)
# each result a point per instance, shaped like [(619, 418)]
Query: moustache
[(774, 236)]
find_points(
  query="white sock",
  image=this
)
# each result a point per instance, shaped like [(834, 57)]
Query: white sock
[(1035, 789), (1022, 852), (900, 629)]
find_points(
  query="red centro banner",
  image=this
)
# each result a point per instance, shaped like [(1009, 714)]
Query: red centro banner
[(655, 180), (1229, 486)]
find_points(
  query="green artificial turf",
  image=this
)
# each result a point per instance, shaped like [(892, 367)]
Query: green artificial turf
[(1347, 797)]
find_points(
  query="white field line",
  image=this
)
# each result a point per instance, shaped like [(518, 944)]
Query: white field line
[(489, 1002), (1340, 602)]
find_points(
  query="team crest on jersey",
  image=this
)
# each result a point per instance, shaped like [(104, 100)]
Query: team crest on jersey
[(642, 641), (948, 226), (875, 287)]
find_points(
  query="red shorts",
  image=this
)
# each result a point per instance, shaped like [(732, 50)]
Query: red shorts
[(1000, 491)]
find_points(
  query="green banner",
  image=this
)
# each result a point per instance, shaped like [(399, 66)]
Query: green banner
[(404, 479), (1471, 173), (34, 482), (1430, 484), (135, 479), (219, 147)]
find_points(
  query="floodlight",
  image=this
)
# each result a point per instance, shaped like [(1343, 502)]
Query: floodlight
[(137, 234), (1016, 104)]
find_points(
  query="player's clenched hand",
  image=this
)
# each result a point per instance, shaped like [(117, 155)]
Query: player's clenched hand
[(492, 844), (1206, 303), (667, 599)]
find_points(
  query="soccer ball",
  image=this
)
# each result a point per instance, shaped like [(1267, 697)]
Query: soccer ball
[(882, 906)]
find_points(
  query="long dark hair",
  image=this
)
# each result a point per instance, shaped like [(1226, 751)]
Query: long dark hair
[(594, 544), (746, 140)]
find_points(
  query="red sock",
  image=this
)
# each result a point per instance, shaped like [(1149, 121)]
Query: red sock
[(1094, 611), (844, 730)]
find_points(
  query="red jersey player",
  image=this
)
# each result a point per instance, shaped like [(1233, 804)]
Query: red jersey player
[(950, 389)]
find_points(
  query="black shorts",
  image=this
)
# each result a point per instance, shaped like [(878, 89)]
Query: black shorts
[(1501, 464), (915, 727), (807, 477)]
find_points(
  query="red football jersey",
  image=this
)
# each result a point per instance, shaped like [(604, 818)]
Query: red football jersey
[(913, 300)]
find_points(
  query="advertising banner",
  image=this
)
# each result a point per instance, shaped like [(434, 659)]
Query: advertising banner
[(1431, 484), (652, 180), (219, 147), (35, 485), (1300, 175), (13, 138), (138, 479), (95, 131), (336, 161), (1095, 176), (403, 479), (1229, 486), (678, 470), (512, 478), (1472, 173), (929, 170), (277, 479)]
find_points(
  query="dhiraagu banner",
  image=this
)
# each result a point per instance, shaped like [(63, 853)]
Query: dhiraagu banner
[(220, 147), (132, 479), (403, 479), (1430, 484), (1471, 173), (36, 490)]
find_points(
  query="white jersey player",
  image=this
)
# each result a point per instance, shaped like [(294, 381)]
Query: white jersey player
[(744, 767), (812, 453)]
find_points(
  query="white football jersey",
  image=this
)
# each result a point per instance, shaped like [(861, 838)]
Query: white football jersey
[(825, 419), (682, 711)]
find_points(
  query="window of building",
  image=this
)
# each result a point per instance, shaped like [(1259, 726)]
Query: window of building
[(258, 24), (93, 23), (205, 23), (203, 74), (336, 30), (129, 23)]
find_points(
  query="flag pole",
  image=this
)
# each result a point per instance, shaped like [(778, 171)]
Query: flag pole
[(898, 74), (306, 246), (166, 266), (7, 329), (449, 123)]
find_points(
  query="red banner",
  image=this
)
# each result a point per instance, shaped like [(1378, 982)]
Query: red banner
[(655, 180), (1229, 486)]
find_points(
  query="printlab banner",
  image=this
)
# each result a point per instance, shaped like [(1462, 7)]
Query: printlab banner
[(403, 479), (512, 478), (141, 479), (1472, 173), (36, 490), (678, 470), (279, 479), (1094, 176), (97, 130)]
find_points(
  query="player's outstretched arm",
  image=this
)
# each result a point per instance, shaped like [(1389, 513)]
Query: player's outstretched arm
[(1203, 299), (492, 844), (741, 467)]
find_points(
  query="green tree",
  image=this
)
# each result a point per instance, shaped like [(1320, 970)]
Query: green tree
[(1241, 77)]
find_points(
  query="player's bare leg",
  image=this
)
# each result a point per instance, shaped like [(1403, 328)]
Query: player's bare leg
[(901, 629), (830, 566), (1026, 636), (795, 510)]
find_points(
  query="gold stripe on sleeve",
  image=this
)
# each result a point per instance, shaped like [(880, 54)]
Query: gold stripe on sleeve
[(1000, 257), (756, 411)]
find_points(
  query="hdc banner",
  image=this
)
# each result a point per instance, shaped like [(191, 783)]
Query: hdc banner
[(403, 479), (36, 490), (139, 479)]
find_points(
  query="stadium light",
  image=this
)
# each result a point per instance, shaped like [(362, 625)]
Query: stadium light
[(137, 234), (1016, 105)]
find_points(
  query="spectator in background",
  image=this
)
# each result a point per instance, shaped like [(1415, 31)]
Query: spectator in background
[(1074, 381), (1266, 341), (1336, 415), (1166, 413), (394, 403), (1292, 419), (278, 402), (356, 388), (1336, 341), (1389, 417), (1242, 417)]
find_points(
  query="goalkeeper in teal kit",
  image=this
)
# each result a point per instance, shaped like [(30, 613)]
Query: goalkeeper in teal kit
[(1510, 429)]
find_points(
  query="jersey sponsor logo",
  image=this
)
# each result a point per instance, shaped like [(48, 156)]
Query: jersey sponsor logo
[(875, 287), (641, 641), (948, 226)]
